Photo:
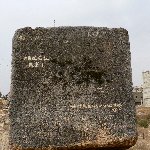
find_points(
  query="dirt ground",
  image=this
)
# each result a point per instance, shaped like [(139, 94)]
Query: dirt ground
[(143, 142), (4, 125)]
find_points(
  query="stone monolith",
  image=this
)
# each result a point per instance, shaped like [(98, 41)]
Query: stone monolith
[(71, 88)]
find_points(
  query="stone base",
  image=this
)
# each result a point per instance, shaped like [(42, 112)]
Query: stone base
[(94, 145), (75, 148)]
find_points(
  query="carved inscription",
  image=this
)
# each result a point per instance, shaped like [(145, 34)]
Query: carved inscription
[(35, 61), (93, 33), (114, 107)]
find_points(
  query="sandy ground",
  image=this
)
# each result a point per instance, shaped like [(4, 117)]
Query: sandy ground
[(143, 142)]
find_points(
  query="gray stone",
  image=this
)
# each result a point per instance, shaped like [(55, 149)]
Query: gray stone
[(71, 87)]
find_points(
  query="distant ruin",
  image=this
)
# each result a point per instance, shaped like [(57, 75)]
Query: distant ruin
[(71, 88), (146, 88)]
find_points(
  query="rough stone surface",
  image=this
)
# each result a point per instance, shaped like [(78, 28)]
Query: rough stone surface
[(71, 88)]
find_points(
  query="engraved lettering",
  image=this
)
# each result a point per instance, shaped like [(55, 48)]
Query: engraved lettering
[(31, 65), (35, 61)]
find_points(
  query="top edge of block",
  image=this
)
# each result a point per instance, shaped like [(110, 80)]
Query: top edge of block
[(71, 27)]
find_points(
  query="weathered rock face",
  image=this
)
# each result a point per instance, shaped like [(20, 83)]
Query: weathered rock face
[(71, 87)]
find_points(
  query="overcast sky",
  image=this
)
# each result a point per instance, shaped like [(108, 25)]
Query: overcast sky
[(134, 15)]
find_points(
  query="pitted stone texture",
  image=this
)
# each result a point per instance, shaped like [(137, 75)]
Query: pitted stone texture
[(71, 86)]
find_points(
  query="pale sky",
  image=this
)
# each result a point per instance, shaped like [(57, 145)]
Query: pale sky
[(133, 15)]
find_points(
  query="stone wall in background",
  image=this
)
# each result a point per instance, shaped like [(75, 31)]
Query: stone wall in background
[(71, 87), (146, 88)]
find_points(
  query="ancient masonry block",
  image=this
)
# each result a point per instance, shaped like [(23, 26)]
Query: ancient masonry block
[(71, 87)]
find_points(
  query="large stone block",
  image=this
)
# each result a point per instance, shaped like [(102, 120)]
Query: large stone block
[(71, 87)]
